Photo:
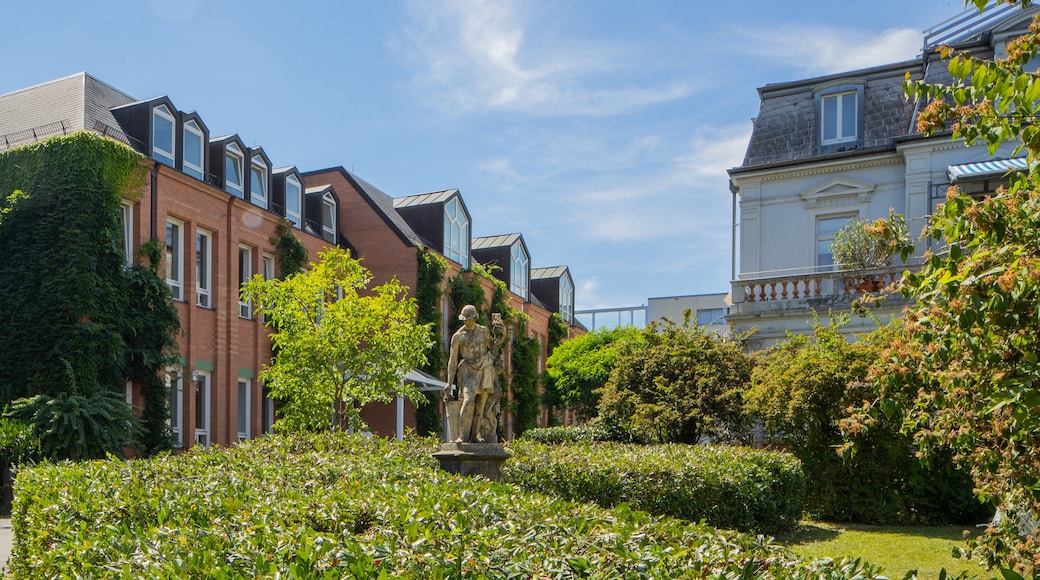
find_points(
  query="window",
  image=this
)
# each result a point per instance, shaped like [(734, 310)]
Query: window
[(126, 217), (839, 118), (233, 170), (245, 272), (163, 135), (328, 218), (519, 271), (202, 408), (175, 392), (243, 409), (826, 227), (456, 232), (203, 267), (258, 182), (293, 195), (268, 411), (566, 298), (709, 316), (175, 257), (193, 149), (267, 266)]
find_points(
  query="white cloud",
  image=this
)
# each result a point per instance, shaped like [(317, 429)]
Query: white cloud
[(475, 56), (823, 50)]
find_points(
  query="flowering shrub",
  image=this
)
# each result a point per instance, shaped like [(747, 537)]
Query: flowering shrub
[(335, 506)]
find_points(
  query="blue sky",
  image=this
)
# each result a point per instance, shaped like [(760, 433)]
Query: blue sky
[(599, 129)]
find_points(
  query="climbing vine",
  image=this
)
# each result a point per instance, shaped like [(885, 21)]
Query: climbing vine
[(77, 323), (289, 251), (429, 289)]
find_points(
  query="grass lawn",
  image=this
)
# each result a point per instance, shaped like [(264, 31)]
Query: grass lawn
[(898, 548)]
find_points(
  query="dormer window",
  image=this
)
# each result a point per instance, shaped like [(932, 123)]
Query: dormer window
[(456, 233), (839, 115), (193, 138), (258, 181), (233, 170), (293, 200), (520, 271), (566, 298), (328, 218), (163, 145)]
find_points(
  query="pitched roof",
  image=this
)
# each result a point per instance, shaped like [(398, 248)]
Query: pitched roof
[(425, 198), (499, 241), (548, 273)]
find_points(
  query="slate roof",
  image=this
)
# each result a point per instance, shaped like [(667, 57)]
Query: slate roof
[(384, 204), (58, 107), (548, 273), (504, 240)]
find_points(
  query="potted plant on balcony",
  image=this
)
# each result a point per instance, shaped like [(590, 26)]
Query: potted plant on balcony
[(867, 244)]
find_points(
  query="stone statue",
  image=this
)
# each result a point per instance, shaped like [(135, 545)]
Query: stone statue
[(472, 359)]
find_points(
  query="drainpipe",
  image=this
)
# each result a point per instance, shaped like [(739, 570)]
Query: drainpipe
[(154, 203), (735, 190)]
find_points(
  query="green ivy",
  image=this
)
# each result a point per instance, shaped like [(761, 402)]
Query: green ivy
[(289, 251), (558, 331), (429, 289), (78, 323)]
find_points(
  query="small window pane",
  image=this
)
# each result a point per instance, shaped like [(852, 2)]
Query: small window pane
[(830, 118), (193, 150), (848, 115), (292, 200), (162, 135)]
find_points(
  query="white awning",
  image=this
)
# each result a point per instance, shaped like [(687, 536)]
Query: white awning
[(986, 168), (425, 381)]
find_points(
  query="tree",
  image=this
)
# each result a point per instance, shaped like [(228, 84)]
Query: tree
[(802, 390), (580, 367), (337, 349), (682, 384), (973, 328), (862, 244)]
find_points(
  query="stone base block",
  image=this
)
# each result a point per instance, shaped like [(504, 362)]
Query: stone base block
[(471, 459)]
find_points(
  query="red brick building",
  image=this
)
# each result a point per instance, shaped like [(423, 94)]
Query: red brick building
[(217, 204)]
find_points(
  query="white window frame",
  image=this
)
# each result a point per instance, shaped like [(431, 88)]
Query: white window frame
[(456, 232), (519, 270), (126, 216), (245, 272), (567, 298), (328, 210), (162, 112), (175, 396), (827, 237), (841, 132), (243, 400), (175, 257), (203, 268), (203, 399), (194, 167), (258, 175), (233, 155), (294, 215)]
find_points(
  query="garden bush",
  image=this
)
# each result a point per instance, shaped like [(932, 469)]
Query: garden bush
[(594, 431), (727, 487), (339, 506)]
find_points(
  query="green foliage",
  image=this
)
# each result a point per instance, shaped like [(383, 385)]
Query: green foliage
[(525, 353), (72, 313), (429, 289), (344, 507), (862, 244), (592, 431), (728, 487), (682, 384), (18, 442), (336, 354), (557, 332), (803, 390), (74, 426), (428, 420), (972, 330), (580, 367), (289, 250)]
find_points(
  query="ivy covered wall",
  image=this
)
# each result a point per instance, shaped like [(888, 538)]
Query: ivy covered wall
[(75, 323)]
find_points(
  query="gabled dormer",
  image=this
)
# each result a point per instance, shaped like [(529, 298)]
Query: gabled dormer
[(442, 220), (258, 187), (151, 127), (191, 148), (554, 288), (228, 156), (287, 194), (508, 253), (321, 211)]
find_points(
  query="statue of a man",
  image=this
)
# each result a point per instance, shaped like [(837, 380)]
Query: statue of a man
[(471, 359)]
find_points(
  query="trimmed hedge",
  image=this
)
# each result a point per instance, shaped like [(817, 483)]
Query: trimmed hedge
[(339, 506), (727, 487), (576, 433)]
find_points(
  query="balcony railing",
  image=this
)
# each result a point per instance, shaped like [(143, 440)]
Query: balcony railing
[(810, 290)]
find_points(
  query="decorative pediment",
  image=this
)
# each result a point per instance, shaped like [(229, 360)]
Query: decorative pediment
[(838, 192)]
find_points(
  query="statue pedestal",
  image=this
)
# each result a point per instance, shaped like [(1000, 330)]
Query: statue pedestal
[(473, 459)]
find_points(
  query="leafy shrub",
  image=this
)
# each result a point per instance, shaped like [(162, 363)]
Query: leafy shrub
[(339, 506), (728, 487), (594, 431)]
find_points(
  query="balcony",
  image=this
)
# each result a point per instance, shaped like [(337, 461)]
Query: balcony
[(774, 305)]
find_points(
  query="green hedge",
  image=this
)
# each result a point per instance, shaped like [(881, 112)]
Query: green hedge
[(340, 506), (574, 434), (728, 487)]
